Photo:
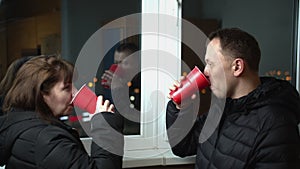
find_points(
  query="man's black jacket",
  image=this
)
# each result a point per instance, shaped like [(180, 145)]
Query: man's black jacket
[(258, 131)]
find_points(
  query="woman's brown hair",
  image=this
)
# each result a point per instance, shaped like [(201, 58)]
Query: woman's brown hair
[(36, 77), (11, 72)]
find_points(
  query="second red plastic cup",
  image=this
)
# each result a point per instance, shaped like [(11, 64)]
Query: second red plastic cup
[(112, 68), (85, 99), (194, 81)]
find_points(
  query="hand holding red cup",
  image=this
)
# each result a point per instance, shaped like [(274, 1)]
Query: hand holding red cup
[(193, 82), (86, 100), (106, 79)]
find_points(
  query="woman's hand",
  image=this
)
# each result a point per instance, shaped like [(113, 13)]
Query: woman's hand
[(103, 106)]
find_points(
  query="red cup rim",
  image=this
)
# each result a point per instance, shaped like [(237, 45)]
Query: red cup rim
[(203, 75), (77, 93)]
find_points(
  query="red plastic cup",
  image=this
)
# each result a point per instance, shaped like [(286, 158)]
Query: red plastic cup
[(194, 81), (85, 99), (112, 68)]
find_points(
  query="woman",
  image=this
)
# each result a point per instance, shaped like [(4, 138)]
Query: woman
[(31, 136)]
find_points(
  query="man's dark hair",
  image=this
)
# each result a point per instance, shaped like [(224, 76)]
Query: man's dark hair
[(127, 47), (236, 43)]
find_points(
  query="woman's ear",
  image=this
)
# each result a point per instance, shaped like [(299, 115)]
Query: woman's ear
[(238, 66), (45, 97)]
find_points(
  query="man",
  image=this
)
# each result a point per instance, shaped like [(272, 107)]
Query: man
[(259, 124), (125, 86), (126, 65)]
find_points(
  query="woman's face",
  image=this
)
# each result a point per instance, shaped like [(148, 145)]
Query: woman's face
[(59, 98)]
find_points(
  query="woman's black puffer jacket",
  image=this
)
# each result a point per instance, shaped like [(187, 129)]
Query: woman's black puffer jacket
[(28, 142), (257, 131)]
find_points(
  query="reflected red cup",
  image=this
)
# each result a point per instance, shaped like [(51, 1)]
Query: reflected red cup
[(194, 81), (85, 99), (112, 68)]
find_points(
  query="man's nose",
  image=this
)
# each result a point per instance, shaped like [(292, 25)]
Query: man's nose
[(206, 73)]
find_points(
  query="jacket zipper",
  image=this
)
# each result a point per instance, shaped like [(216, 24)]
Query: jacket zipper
[(220, 128)]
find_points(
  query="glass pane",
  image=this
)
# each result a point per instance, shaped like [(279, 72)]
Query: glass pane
[(63, 27), (117, 77), (274, 30), (272, 25), (129, 94)]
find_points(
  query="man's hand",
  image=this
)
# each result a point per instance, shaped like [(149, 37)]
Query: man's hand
[(111, 80), (184, 103), (106, 78)]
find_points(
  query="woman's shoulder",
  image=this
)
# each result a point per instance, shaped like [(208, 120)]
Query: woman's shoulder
[(57, 132)]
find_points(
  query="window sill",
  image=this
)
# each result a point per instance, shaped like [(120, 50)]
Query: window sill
[(148, 157)]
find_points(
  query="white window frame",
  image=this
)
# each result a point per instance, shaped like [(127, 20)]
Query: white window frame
[(154, 82), (298, 50), (151, 147), (156, 150)]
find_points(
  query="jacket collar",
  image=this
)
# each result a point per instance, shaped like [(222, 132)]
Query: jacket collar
[(254, 99)]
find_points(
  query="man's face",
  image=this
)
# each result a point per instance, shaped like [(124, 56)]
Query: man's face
[(129, 63), (218, 70), (119, 57), (122, 59)]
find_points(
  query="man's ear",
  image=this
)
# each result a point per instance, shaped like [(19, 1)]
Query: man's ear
[(238, 66)]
